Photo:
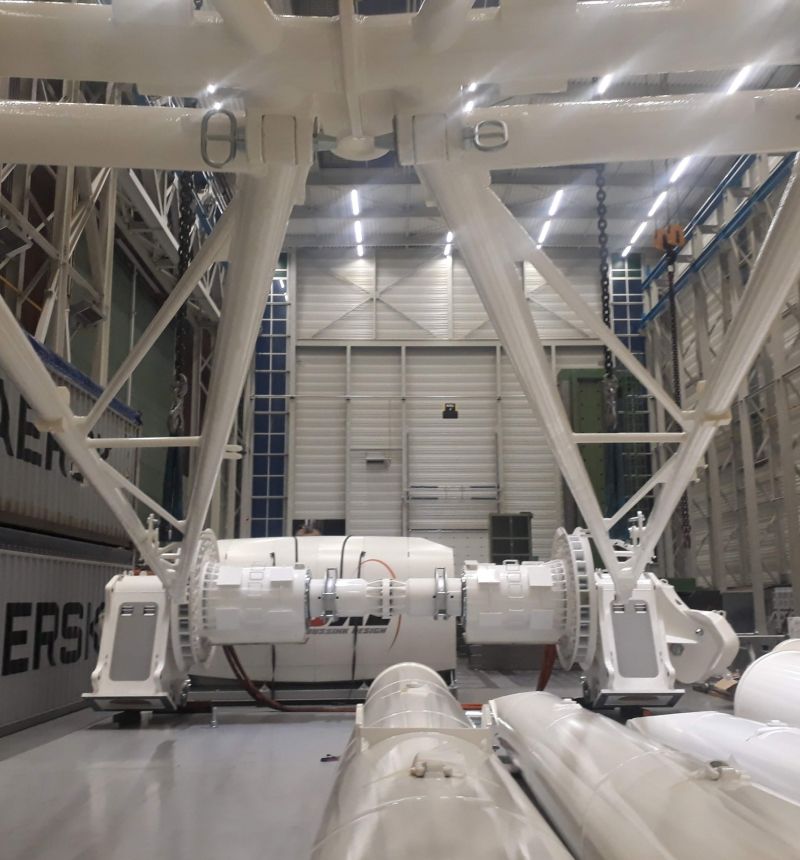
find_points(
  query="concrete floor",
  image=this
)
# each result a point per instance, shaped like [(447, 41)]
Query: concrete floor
[(79, 788)]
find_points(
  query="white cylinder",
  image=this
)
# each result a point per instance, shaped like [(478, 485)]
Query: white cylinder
[(410, 695), (770, 689), (613, 795), (515, 603), (253, 604), (768, 754), (436, 791), (353, 646)]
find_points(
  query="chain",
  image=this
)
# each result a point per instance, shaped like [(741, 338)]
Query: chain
[(173, 469), (186, 217), (610, 385), (672, 257)]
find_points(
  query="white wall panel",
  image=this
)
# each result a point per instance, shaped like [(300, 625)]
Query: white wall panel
[(335, 295), (375, 419), (452, 462), (319, 434), (50, 625), (554, 320), (531, 480), (413, 294)]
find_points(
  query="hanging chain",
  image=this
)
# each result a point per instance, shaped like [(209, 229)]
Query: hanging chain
[(180, 385), (671, 251), (610, 384)]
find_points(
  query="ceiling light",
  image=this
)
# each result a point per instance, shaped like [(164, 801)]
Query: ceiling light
[(639, 230), (360, 250), (472, 87), (449, 238), (659, 202), (359, 232), (680, 169), (559, 196), (448, 249), (211, 89), (469, 106), (355, 202), (627, 251), (741, 77), (217, 105), (544, 231), (604, 83)]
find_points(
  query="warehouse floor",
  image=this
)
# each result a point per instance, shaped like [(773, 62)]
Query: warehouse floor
[(79, 788)]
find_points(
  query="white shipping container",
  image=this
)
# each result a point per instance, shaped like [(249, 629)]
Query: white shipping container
[(38, 486), (50, 610)]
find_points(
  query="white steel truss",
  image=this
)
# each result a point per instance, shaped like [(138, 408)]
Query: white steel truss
[(289, 76)]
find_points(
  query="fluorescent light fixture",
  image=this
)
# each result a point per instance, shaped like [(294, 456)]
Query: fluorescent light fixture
[(627, 251), (741, 76), (359, 232), (360, 250), (211, 89), (448, 249), (659, 202), (639, 230), (544, 231), (604, 83), (468, 107), (559, 196), (680, 169), (472, 87), (355, 203), (450, 237), (217, 105)]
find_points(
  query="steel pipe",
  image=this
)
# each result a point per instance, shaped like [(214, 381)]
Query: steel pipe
[(417, 781), (266, 205), (585, 132), (769, 689), (768, 754), (612, 795), (94, 135)]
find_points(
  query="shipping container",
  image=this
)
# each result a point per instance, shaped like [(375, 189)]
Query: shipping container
[(51, 603), (39, 487)]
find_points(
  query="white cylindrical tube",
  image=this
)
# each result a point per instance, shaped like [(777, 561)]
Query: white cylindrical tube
[(416, 782), (252, 605), (770, 689), (768, 754), (613, 795), (410, 695), (515, 603)]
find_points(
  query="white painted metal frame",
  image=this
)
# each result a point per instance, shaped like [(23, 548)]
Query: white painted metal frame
[(269, 59)]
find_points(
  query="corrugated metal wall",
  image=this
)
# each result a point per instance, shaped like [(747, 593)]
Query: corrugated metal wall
[(49, 628), (370, 443), (38, 488)]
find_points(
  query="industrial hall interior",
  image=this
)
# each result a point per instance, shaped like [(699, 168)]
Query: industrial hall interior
[(400, 429)]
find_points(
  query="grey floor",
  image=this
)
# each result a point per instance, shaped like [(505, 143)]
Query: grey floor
[(78, 788)]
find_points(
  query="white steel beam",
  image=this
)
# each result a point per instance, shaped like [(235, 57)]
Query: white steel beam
[(461, 199), (265, 206), (588, 132), (25, 368), (774, 276), (512, 47), (200, 263)]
